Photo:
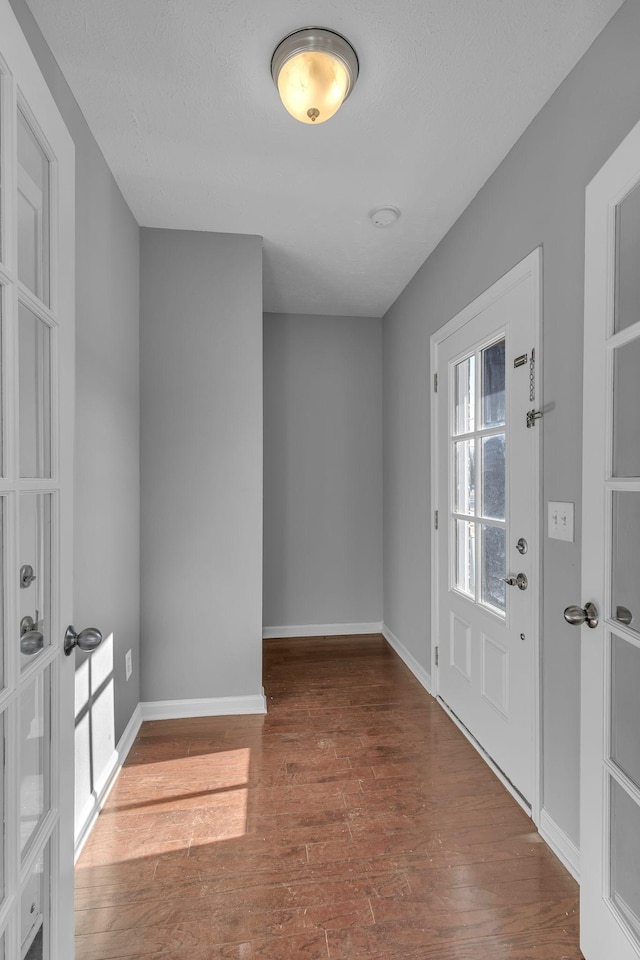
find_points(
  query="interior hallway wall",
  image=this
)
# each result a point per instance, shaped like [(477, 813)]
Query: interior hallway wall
[(536, 196), (322, 470), (201, 459), (107, 433)]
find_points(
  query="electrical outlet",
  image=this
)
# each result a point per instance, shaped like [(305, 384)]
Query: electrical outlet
[(561, 516), (127, 664)]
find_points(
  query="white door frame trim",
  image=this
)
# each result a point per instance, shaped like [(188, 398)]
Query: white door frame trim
[(530, 266)]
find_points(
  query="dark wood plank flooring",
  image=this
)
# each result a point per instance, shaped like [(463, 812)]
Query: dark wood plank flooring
[(354, 822)]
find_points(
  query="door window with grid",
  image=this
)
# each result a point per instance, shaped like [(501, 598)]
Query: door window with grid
[(478, 476)]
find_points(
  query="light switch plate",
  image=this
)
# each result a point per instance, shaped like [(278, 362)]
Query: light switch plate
[(561, 520)]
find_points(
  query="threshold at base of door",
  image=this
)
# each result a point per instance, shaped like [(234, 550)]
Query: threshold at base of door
[(502, 777)]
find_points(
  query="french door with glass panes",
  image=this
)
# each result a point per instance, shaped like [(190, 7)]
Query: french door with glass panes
[(609, 609), (485, 448), (36, 474)]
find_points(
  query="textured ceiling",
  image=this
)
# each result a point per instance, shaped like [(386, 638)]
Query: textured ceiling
[(179, 96)]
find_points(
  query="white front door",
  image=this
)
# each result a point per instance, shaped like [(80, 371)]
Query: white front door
[(610, 691), (485, 451), (36, 543)]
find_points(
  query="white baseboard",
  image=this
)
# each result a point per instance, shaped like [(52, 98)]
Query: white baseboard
[(158, 710), (321, 630), (93, 802), (417, 670), (108, 777), (562, 845), (213, 707)]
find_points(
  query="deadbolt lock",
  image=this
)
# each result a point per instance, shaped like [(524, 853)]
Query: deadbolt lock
[(520, 581), (27, 576)]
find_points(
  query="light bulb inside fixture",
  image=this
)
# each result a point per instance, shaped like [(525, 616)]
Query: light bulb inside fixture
[(312, 86), (314, 70)]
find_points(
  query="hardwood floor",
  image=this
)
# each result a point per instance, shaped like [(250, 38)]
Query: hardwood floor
[(353, 822)]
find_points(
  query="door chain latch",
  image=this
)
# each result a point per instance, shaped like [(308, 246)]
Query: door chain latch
[(532, 416)]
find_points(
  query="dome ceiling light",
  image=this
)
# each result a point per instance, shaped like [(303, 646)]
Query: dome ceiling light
[(314, 70)]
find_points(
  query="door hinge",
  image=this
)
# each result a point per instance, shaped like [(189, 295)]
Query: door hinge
[(435, 520), (435, 383), (436, 652)]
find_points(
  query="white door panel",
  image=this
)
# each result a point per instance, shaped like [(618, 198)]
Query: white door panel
[(610, 705), (487, 490), (37, 263)]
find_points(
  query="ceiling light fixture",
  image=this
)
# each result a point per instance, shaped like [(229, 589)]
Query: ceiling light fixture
[(314, 70)]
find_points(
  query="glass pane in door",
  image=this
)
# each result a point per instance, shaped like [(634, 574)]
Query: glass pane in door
[(465, 394), (465, 477), (625, 707), (34, 558), (493, 477), (3, 804), (33, 212), (493, 566), (2, 589), (625, 856), (2, 193), (34, 353), (34, 913), (465, 578), (627, 302), (626, 404), (493, 384), (2, 423), (626, 558), (35, 727)]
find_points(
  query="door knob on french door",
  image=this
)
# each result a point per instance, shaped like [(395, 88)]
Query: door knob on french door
[(520, 581), (579, 615), (86, 640), (31, 640)]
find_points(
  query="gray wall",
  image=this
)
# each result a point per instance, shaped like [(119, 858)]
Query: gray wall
[(107, 489), (201, 464), (536, 196), (322, 470)]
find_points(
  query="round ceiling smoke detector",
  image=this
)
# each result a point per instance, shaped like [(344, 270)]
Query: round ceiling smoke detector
[(384, 216)]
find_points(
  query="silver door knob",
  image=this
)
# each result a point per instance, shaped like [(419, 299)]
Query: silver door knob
[(579, 615), (86, 640), (520, 581), (31, 643), (31, 640), (624, 615)]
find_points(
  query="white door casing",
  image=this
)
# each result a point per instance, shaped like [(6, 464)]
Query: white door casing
[(487, 673), (610, 650), (36, 498)]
